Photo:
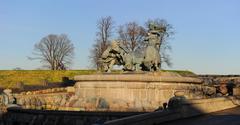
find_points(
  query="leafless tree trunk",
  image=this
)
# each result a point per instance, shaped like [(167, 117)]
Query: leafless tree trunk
[(55, 51), (164, 46), (104, 33), (132, 35)]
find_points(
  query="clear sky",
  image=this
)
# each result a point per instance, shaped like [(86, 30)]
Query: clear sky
[(207, 38)]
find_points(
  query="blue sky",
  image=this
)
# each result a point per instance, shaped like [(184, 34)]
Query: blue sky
[(207, 38)]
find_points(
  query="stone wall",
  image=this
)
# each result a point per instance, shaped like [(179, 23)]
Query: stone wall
[(16, 116), (48, 99), (188, 108)]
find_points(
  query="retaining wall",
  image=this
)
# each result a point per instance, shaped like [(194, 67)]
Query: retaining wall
[(188, 109)]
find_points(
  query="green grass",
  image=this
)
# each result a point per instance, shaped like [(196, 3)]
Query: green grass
[(9, 78)]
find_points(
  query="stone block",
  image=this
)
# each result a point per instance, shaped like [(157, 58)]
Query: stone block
[(136, 85), (179, 93), (236, 91), (70, 90), (116, 85), (7, 91)]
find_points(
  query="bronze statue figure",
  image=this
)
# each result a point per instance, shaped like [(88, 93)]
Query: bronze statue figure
[(117, 54)]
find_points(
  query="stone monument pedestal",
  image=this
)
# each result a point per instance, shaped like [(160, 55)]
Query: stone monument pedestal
[(133, 92)]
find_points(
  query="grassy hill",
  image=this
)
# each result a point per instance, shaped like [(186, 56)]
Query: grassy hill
[(9, 78)]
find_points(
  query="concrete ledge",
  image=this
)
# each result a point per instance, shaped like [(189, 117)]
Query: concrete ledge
[(137, 78), (188, 109)]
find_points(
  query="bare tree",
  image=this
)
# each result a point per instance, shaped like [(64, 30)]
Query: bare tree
[(132, 35), (55, 51), (164, 36), (104, 33)]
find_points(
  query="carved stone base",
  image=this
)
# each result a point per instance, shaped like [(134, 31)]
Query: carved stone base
[(134, 92)]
